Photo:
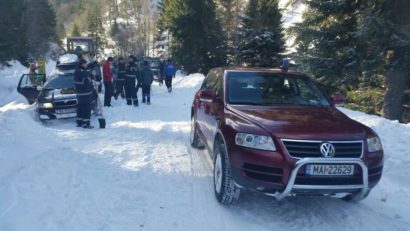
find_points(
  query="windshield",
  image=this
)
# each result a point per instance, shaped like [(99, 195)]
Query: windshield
[(61, 81), (258, 88)]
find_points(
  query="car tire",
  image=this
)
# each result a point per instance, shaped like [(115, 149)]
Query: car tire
[(355, 197), (194, 137), (226, 191)]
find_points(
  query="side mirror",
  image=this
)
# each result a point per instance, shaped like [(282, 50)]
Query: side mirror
[(338, 98)]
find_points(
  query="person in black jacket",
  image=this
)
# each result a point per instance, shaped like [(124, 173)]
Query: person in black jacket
[(130, 80), (146, 81), (161, 72), (95, 69), (84, 90), (120, 79)]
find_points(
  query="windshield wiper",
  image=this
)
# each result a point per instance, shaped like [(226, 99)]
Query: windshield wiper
[(311, 104), (245, 103)]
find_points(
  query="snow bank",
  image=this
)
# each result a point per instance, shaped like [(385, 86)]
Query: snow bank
[(394, 187), (10, 77), (190, 81)]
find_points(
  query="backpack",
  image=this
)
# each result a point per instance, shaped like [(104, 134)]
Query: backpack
[(170, 70)]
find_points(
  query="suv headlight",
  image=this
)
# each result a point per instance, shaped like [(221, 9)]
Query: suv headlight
[(374, 144), (255, 141), (46, 105)]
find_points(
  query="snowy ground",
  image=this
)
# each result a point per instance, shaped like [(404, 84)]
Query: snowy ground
[(141, 174)]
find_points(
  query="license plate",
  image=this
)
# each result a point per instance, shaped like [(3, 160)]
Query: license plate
[(64, 111), (329, 170), (66, 116)]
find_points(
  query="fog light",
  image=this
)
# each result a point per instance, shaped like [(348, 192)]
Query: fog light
[(46, 105)]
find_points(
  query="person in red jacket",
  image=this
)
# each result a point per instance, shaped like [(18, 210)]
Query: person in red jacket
[(108, 82)]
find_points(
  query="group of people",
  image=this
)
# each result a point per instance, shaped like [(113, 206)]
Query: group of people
[(125, 79), (122, 79)]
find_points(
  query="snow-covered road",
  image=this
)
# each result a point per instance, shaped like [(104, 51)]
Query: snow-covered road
[(141, 174)]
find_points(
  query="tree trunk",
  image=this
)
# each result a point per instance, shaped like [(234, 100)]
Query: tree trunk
[(396, 76), (395, 87)]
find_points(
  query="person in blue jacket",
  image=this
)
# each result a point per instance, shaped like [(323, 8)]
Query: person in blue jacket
[(169, 71), (84, 90)]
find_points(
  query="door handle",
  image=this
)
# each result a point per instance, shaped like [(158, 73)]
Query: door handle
[(205, 100)]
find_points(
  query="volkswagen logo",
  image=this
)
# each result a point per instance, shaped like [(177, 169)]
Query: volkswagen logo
[(327, 150)]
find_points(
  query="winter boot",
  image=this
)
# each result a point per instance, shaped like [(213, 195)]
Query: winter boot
[(136, 103), (88, 126)]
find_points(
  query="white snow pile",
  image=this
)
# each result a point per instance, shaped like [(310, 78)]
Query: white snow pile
[(68, 58), (9, 78), (140, 173)]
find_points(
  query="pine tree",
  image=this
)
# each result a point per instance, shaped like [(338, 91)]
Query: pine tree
[(75, 31), (384, 32), (197, 35), (40, 21), (13, 37), (162, 35), (95, 26), (326, 45), (342, 43), (230, 12), (263, 42), (80, 5)]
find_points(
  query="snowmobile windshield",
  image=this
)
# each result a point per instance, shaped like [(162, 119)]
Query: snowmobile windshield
[(264, 88), (61, 81)]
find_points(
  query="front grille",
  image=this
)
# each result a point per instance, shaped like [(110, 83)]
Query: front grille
[(263, 173), (67, 103), (305, 149)]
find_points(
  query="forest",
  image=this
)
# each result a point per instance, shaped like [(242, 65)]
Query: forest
[(358, 47)]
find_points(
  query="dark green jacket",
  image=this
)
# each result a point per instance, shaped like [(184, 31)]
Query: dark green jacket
[(146, 76)]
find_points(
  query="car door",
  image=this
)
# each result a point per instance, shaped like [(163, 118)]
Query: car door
[(213, 109), (200, 100), (29, 86)]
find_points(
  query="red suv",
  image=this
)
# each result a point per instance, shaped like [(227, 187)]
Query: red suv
[(276, 132)]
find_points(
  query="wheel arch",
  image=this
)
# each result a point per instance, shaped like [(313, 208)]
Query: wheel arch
[(219, 137)]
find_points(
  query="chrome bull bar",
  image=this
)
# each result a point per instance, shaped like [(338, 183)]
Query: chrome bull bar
[(302, 162)]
